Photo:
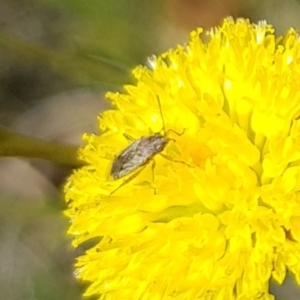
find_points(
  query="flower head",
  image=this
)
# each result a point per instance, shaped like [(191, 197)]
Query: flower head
[(215, 214)]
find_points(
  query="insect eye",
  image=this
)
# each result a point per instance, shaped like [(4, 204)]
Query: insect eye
[(159, 147)]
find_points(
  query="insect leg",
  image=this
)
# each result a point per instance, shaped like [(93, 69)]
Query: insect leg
[(127, 180), (177, 133), (153, 177), (128, 137), (168, 157)]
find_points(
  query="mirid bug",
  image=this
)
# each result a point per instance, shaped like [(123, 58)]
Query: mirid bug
[(139, 153)]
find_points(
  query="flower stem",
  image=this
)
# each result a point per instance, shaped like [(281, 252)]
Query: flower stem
[(17, 145)]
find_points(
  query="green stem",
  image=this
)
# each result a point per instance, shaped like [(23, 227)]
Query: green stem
[(17, 145)]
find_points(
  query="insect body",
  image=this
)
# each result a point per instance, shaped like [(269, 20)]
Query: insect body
[(138, 154)]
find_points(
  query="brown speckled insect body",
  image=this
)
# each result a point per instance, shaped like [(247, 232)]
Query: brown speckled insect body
[(138, 154)]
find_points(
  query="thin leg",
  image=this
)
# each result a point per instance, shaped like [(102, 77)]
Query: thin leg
[(129, 137), (177, 133), (168, 157), (127, 180), (153, 177)]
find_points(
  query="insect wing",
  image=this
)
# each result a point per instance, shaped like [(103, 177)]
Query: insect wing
[(128, 160)]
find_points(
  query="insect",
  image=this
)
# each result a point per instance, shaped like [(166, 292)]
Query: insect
[(139, 153)]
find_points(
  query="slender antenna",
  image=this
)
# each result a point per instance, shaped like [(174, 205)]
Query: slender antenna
[(162, 116)]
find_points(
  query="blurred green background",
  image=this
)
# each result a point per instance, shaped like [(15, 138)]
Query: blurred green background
[(57, 59)]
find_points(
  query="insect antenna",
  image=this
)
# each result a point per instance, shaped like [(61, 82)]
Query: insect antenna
[(164, 124), (162, 116)]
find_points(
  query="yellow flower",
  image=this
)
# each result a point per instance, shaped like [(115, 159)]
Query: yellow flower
[(219, 216)]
